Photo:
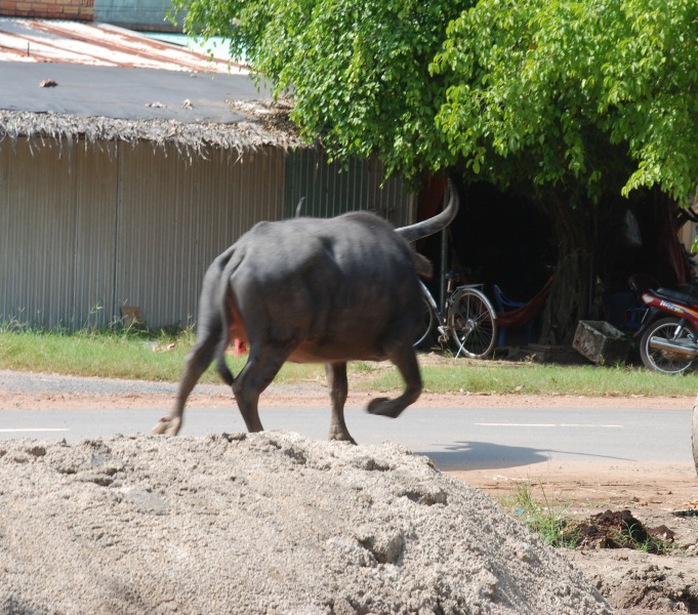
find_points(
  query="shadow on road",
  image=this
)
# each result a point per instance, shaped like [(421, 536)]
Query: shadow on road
[(490, 456)]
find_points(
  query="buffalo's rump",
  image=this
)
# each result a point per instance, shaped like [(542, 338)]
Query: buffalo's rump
[(334, 289)]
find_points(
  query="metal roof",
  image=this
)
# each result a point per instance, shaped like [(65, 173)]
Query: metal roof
[(123, 93), (85, 71), (93, 44)]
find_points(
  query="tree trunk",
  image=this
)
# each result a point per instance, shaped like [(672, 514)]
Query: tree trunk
[(570, 294)]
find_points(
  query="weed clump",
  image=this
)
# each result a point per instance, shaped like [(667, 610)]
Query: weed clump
[(620, 529), (606, 530)]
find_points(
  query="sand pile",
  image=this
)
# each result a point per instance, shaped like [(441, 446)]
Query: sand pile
[(267, 523)]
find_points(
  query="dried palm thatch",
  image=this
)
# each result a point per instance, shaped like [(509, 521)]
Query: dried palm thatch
[(190, 139)]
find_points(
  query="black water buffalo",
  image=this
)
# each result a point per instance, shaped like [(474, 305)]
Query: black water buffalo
[(312, 290)]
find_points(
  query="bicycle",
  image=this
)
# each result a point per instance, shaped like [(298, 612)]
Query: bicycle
[(468, 319)]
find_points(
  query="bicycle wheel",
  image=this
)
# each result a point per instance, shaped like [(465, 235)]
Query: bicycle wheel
[(666, 346), (427, 320), (473, 323)]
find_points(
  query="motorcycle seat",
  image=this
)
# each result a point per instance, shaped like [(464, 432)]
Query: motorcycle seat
[(687, 295)]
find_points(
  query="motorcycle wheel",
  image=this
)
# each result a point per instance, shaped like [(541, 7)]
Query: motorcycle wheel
[(663, 360)]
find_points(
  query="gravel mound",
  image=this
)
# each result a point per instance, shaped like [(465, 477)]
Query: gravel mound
[(268, 523)]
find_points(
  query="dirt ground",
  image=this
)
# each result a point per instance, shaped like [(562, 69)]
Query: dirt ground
[(657, 495)]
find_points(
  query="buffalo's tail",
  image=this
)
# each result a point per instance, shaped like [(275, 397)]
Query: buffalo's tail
[(229, 316), (224, 371)]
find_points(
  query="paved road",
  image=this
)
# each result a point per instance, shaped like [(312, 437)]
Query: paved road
[(455, 438)]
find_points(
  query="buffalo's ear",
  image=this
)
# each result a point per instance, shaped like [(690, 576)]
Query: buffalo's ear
[(423, 266)]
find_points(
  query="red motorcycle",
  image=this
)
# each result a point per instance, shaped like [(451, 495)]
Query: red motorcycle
[(669, 331)]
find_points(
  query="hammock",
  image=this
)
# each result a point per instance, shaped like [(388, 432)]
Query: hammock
[(527, 312)]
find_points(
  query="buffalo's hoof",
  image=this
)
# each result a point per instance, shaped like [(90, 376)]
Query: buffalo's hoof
[(383, 406), (342, 438), (167, 427)]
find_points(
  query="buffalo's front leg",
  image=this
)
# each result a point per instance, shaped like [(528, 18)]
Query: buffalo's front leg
[(406, 361), (339, 389)]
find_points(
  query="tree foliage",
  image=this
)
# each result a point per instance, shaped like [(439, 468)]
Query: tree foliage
[(583, 97), (358, 72), (592, 96)]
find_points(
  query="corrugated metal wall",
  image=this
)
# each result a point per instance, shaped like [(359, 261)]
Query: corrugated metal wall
[(176, 216), (95, 179), (85, 230), (38, 235), (332, 189), (57, 235)]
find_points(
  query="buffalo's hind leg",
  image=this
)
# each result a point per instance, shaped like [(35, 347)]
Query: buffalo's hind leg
[(405, 359), (339, 389), (260, 370), (196, 363)]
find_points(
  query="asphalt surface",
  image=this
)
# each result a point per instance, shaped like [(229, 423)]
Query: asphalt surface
[(15, 381), (455, 438)]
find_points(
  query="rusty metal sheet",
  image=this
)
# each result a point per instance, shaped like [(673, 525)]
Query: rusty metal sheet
[(39, 40)]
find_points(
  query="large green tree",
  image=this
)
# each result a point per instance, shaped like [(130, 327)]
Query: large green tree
[(358, 72), (565, 82), (573, 103)]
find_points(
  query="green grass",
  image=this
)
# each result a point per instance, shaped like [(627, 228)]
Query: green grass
[(548, 522), (117, 355), (159, 355), (544, 379), (125, 353)]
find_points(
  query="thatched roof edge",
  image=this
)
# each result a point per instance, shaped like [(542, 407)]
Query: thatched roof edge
[(192, 138)]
